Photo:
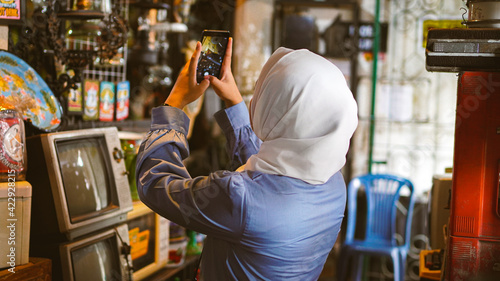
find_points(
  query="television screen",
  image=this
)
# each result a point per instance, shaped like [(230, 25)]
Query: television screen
[(97, 261), (85, 175)]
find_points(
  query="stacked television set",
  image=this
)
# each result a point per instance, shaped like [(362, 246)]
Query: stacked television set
[(80, 202)]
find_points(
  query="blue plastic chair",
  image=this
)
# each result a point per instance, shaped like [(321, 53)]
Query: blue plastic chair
[(382, 195)]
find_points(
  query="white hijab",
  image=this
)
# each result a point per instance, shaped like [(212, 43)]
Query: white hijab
[(305, 114)]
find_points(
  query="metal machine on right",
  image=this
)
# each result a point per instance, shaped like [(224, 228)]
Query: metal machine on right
[(473, 241)]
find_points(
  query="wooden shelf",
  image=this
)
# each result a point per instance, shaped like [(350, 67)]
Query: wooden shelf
[(36, 269), (185, 271), (80, 15), (138, 126), (324, 3)]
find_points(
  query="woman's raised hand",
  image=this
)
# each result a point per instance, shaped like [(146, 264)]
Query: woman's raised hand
[(186, 89), (225, 87)]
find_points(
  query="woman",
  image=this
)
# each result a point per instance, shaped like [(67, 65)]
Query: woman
[(278, 216)]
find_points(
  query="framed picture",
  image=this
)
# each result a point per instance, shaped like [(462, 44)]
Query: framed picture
[(12, 12)]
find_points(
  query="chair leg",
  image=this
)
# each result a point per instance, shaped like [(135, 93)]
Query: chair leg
[(357, 267), (398, 271), (403, 265), (342, 264)]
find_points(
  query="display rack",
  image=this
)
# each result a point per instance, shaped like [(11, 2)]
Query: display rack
[(117, 70)]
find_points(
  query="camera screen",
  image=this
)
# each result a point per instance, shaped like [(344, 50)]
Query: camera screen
[(213, 49)]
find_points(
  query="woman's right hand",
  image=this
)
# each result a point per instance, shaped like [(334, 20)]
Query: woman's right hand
[(225, 87), (185, 89)]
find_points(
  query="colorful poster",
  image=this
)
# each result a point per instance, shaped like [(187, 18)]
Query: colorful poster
[(107, 101), (91, 100), (139, 241), (11, 10), (122, 100), (75, 100)]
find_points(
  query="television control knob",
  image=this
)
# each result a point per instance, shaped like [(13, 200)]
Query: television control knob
[(118, 154)]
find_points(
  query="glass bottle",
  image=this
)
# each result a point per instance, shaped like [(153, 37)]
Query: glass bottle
[(130, 159)]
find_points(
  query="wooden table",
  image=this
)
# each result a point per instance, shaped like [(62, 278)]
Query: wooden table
[(38, 269)]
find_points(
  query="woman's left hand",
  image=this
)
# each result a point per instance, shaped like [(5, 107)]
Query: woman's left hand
[(185, 89)]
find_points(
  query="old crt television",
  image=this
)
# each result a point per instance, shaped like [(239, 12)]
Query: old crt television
[(149, 240), (79, 183), (102, 256)]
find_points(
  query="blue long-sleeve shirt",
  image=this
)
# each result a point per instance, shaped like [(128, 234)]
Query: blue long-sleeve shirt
[(258, 226)]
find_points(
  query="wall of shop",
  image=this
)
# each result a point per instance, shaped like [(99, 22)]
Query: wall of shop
[(414, 108)]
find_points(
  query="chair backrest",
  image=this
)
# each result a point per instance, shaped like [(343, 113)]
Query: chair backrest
[(382, 195)]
